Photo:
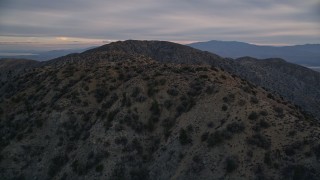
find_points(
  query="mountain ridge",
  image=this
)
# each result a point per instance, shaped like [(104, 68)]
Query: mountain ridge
[(305, 94), (307, 55), (118, 115)]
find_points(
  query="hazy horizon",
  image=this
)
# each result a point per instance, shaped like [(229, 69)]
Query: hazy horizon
[(48, 25)]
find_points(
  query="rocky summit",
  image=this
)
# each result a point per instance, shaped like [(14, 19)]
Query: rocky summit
[(121, 113)]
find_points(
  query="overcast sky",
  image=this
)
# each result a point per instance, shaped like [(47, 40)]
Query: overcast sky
[(58, 24)]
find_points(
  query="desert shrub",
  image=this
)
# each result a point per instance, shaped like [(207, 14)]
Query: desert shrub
[(204, 136), (201, 69), (132, 120), (299, 172), (190, 128), (155, 109), (278, 110), (166, 133), (152, 90), (141, 98), (86, 87), (197, 164), (224, 107), (264, 124), (253, 115), (135, 92), (225, 99), (196, 87), (229, 99), (185, 137), (118, 172), (270, 96), (214, 68), (264, 113), (203, 76), (99, 168), (254, 100), (121, 140), (151, 123), (140, 173), (218, 137), (259, 141), (121, 76), (107, 125), (173, 92), (112, 115), (236, 127), (100, 94), (113, 98), (119, 127), (267, 158), (292, 133), (316, 150), (168, 123), (241, 102), (185, 105), (101, 113), (210, 89), (162, 82), (167, 104), (154, 145), (232, 163), (291, 149), (126, 101), (94, 158), (136, 145), (188, 69), (210, 124), (56, 164)]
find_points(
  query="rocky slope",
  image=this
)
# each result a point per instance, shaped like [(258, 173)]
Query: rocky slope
[(117, 115), (11, 67), (295, 83)]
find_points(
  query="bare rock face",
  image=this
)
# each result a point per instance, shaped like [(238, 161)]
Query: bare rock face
[(118, 115)]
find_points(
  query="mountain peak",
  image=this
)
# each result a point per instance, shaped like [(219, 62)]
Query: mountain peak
[(162, 51)]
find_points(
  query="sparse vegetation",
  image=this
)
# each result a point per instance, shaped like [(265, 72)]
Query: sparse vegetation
[(185, 136), (232, 164), (253, 115), (259, 141), (116, 115), (236, 127), (56, 164)]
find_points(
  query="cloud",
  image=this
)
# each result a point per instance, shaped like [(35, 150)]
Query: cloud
[(256, 21)]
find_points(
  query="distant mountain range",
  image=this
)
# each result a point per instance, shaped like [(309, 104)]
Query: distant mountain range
[(40, 55), (306, 55)]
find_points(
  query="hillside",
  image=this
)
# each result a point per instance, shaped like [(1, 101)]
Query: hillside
[(117, 115), (295, 83), (11, 67), (293, 87), (307, 55)]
